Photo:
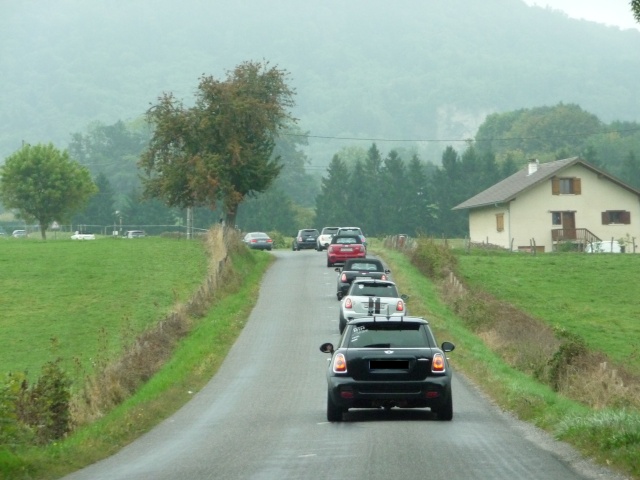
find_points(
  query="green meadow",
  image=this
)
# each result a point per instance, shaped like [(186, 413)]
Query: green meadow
[(594, 296), (81, 301)]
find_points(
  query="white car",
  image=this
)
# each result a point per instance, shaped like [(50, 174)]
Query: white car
[(371, 297), (608, 246), (324, 239), (83, 236)]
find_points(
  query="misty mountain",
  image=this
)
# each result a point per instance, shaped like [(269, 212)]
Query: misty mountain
[(423, 73)]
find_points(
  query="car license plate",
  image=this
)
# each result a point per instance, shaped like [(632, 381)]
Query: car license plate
[(347, 249)]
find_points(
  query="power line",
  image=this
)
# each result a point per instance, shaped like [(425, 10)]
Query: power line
[(465, 140)]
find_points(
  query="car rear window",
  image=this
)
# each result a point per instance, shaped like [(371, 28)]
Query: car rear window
[(369, 267), (309, 232), (346, 240), (388, 335), (330, 231), (373, 290)]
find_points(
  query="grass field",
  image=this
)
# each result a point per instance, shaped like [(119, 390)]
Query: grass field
[(79, 300), (593, 296)]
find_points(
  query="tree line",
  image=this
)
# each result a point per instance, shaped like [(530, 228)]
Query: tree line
[(238, 156)]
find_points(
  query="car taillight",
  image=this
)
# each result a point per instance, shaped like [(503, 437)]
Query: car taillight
[(400, 306), (348, 303), (269, 241), (253, 240), (343, 277), (299, 239), (339, 363), (437, 365), (384, 277)]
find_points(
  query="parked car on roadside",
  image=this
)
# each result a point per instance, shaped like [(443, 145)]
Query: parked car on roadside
[(324, 239), (606, 246), (19, 234), (305, 238), (368, 297), (258, 241), (344, 247), (83, 236), (387, 363), (359, 268), (134, 234)]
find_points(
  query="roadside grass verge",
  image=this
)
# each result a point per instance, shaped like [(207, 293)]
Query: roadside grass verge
[(611, 436), (593, 296), (195, 360)]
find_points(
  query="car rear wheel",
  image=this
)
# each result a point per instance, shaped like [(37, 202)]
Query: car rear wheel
[(445, 412), (329, 264), (334, 412)]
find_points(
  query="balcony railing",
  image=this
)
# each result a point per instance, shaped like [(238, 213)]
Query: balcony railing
[(578, 236)]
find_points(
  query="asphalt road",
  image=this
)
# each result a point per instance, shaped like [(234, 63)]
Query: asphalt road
[(262, 417)]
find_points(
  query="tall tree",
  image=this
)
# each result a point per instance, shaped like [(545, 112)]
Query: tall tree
[(43, 183), (332, 203), (394, 202), (420, 209), (635, 8), (100, 208), (631, 170), (221, 148)]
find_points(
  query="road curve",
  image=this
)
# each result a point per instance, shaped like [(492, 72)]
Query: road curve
[(262, 417)]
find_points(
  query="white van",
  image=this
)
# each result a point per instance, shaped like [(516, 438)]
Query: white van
[(609, 246)]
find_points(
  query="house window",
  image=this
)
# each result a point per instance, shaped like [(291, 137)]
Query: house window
[(500, 222), (620, 217), (566, 186), (556, 218)]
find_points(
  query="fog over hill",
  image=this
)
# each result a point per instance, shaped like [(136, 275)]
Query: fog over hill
[(411, 70)]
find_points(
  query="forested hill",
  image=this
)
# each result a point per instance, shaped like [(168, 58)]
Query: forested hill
[(413, 69)]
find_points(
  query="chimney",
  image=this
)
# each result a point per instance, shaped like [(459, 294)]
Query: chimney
[(533, 166)]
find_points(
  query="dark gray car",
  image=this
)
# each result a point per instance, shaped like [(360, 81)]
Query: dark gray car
[(306, 238)]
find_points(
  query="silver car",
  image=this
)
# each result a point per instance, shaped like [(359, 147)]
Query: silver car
[(370, 297), (324, 239)]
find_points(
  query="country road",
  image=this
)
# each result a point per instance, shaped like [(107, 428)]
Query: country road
[(262, 417)]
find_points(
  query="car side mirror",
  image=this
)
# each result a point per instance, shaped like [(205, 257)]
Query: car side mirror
[(404, 297), (326, 347), (337, 269), (448, 347)]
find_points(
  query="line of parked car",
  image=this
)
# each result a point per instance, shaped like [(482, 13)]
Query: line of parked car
[(384, 358)]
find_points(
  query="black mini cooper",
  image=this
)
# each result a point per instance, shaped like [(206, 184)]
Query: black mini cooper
[(386, 362)]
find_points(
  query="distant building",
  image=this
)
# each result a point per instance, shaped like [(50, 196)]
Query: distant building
[(563, 205)]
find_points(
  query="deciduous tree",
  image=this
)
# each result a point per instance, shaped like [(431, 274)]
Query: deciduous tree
[(221, 148), (43, 183)]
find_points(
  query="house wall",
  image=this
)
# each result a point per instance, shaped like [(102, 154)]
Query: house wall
[(482, 226), (529, 216)]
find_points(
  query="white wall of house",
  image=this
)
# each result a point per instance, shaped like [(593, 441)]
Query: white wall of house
[(529, 216), (482, 226)]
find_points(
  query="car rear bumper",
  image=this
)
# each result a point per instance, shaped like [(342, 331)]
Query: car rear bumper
[(306, 245), (348, 393), (343, 258)]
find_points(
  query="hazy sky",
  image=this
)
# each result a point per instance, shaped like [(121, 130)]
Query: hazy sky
[(610, 12)]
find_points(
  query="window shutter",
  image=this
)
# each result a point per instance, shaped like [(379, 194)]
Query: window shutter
[(577, 186), (625, 217), (605, 218), (555, 186)]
